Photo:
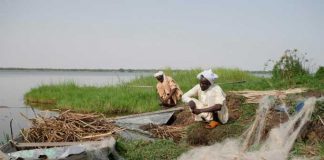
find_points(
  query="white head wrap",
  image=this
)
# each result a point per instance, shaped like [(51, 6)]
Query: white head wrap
[(209, 75), (159, 73)]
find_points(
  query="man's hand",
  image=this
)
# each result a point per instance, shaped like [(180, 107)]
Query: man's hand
[(167, 98), (192, 105)]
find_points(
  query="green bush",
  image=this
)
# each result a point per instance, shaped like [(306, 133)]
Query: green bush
[(291, 65), (320, 73)]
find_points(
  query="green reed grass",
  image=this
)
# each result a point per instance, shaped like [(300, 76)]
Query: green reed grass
[(127, 97), (123, 98)]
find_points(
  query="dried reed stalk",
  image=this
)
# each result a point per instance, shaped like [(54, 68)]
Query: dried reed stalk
[(69, 127)]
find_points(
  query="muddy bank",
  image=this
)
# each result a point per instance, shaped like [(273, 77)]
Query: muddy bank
[(239, 119)]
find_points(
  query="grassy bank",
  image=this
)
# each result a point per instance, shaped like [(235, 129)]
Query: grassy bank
[(126, 98), (123, 98)]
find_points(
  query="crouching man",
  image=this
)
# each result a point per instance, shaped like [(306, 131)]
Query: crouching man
[(168, 90), (207, 100)]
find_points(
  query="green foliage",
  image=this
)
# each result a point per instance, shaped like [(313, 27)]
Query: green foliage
[(110, 100), (309, 150), (319, 110), (159, 149), (320, 73), (290, 66)]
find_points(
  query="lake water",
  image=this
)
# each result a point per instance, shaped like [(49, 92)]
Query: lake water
[(15, 83)]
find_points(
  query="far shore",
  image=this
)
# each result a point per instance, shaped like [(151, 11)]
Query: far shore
[(109, 70)]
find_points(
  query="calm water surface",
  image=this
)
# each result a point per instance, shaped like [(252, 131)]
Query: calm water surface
[(15, 83)]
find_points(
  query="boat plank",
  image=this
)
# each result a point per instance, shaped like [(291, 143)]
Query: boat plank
[(53, 144)]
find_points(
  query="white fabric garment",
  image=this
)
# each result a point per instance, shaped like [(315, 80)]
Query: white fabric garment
[(159, 73), (209, 75), (213, 95)]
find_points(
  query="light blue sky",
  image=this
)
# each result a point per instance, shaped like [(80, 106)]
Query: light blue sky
[(157, 33)]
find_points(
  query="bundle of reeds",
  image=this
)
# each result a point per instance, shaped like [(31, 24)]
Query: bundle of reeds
[(69, 127)]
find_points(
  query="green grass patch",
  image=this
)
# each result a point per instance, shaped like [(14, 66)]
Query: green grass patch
[(146, 150), (307, 150), (111, 99)]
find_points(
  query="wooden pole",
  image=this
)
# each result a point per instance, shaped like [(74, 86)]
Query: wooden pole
[(148, 113)]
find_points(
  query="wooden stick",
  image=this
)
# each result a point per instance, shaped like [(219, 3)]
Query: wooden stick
[(98, 135), (25, 138), (320, 119), (147, 113), (86, 124), (101, 135)]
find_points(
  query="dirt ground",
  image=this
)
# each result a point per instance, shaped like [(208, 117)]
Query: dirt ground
[(233, 102), (273, 119), (240, 117), (197, 134)]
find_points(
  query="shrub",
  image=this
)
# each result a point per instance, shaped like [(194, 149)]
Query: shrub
[(320, 73), (291, 65)]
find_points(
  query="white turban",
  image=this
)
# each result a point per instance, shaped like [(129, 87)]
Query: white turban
[(159, 73), (209, 75)]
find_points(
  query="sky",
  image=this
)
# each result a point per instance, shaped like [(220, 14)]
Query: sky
[(155, 34)]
